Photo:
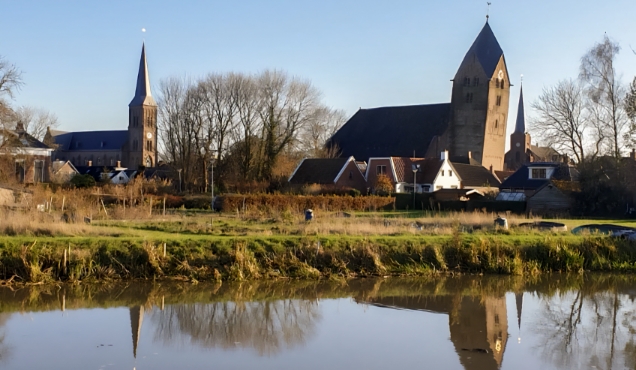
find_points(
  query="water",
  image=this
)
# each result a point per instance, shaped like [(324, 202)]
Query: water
[(552, 322)]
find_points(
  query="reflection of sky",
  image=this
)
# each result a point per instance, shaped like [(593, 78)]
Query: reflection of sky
[(348, 336)]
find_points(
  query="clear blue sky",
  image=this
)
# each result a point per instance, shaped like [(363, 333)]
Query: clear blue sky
[(80, 58)]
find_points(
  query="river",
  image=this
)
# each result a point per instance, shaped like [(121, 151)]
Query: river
[(469, 322)]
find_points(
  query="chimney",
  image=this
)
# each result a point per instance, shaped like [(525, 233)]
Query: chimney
[(118, 163), (444, 155), (470, 156), (90, 163)]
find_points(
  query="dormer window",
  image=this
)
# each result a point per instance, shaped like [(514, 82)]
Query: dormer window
[(539, 173)]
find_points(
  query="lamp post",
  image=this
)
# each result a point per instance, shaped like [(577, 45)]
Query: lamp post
[(415, 168)]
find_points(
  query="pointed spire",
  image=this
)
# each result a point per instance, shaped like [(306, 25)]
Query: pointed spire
[(519, 303), (143, 95), (487, 50), (520, 127)]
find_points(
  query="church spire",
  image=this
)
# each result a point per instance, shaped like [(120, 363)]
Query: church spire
[(142, 91), (520, 127)]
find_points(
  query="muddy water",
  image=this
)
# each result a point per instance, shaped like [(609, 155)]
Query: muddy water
[(552, 322)]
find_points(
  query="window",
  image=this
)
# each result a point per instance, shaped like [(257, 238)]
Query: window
[(149, 145), (442, 172), (380, 170), (501, 84), (496, 123), (450, 173), (498, 100), (426, 188), (19, 170), (469, 97), (350, 175), (538, 173), (497, 83), (476, 81), (466, 81)]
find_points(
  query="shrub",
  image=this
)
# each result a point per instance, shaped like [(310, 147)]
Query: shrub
[(83, 181), (383, 185)]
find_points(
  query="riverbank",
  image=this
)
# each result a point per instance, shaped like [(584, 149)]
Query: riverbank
[(217, 258)]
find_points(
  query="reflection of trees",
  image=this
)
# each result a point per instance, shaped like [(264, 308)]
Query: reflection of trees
[(4, 351), (266, 326), (584, 330)]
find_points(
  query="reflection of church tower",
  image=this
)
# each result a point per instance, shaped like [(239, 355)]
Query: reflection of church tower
[(479, 331), (142, 121), (136, 319), (519, 304)]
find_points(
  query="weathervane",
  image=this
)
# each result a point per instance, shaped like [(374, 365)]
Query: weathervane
[(143, 30), (488, 11)]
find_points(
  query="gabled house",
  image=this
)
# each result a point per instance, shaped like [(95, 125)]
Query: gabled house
[(430, 173), (545, 186), (476, 177), (30, 156), (62, 171), (342, 173)]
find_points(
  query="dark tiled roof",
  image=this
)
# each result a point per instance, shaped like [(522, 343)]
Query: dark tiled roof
[(92, 140), (475, 176), (520, 180), (21, 139), (392, 131), (318, 170), (429, 168), (487, 49)]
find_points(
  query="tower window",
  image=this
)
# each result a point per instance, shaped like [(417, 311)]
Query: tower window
[(501, 84), (498, 100), (149, 145), (466, 81), (476, 81), (469, 97), (496, 123)]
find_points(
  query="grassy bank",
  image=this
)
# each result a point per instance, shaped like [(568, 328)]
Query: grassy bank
[(39, 248)]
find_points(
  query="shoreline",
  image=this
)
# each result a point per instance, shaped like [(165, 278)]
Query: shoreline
[(194, 258)]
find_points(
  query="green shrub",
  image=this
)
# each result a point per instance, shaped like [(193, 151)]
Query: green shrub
[(83, 181)]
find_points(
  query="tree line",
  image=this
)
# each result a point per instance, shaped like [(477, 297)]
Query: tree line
[(252, 127)]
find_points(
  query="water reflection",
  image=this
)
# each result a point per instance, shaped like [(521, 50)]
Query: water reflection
[(265, 326), (577, 321)]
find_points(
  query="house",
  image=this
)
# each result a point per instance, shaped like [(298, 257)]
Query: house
[(62, 172), (431, 173), (30, 157), (342, 173), (476, 177), (546, 186), (111, 174)]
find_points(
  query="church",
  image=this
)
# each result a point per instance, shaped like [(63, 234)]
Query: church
[(133, 148), (472, 127)]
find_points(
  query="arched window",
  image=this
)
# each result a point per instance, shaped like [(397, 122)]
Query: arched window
[(496, 123), (518, 157)]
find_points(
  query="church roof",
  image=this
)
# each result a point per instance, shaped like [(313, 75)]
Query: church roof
[(520, 127), (487, 49), (392, 131), (143, 95), (91, 140)]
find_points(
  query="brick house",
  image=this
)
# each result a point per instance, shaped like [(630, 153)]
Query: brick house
[(337, 173), (30, 157)]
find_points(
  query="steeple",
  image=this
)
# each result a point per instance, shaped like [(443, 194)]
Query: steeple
[(487, 50), (520, 127), (519, 304), (136, 319), (142, 91)]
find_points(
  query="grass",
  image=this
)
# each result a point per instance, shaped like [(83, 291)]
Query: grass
[(248, 246)]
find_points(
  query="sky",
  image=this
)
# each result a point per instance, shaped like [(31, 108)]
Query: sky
[(80, 58)]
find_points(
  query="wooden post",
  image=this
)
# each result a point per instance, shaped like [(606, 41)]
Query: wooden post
[(63, 201), (64, 261), (164, 206), (150, 213), (106, 212), (50, 205), (164, 250)]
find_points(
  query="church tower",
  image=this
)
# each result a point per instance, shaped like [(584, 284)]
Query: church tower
[(479, 103), (142, 122), (519, 140)]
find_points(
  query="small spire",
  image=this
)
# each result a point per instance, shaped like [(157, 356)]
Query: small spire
[(143, 96), (520, 127)]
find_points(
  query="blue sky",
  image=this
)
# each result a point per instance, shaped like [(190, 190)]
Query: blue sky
[(80, 58)]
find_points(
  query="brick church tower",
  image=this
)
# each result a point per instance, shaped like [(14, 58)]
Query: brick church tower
[(519, 141), (142, 121), (479, 103)]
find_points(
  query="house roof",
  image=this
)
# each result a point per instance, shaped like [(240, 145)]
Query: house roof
[(487, 50), (475, 176), (19, 138), (318, 170), (465, 160), (58, 165), (503, 175), (429, 167), (392, 131), (91, 140), (543, 153), (520, 180)]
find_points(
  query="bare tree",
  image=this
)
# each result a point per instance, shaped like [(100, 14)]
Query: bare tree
[(35, 120), (321, 126), (286, 105), (605, 94), (562, 118), (630, 109), (10, 82)]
